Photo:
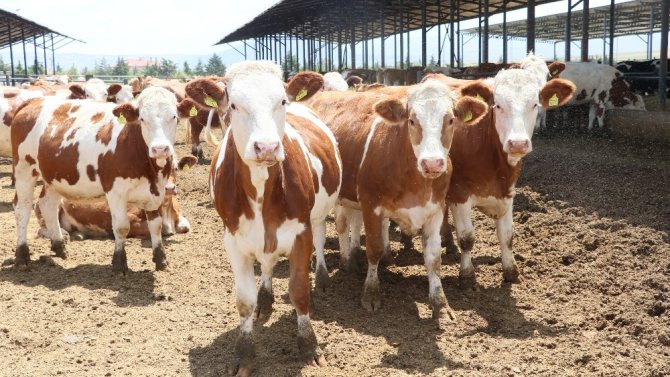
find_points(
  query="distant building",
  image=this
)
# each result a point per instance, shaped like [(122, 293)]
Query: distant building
[(138, 65)]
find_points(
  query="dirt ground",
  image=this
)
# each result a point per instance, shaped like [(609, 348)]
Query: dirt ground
[(592, 219)]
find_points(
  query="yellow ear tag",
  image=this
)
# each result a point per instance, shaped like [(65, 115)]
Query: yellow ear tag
[(468, 117), (480, 98), (186, 167), (301, 94), (193, 112), (209, 101), (554, 73), (553, 101), (122, 119)]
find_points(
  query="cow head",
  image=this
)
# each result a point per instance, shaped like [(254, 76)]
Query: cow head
[(430, 112), (517, 97), (96, 90), (157, 115)]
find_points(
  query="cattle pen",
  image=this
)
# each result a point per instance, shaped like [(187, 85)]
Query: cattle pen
[(588, 210)]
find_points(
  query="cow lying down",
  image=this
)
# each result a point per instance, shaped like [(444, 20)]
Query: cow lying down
[(93, 219)]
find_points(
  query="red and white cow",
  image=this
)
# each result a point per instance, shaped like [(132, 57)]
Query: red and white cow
[(333, 81), (602, 87), (85, 149), (487, 158), (93, 218), (273, 180), (394, 144)]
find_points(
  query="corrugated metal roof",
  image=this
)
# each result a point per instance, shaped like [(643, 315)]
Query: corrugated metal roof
[(14, 29)]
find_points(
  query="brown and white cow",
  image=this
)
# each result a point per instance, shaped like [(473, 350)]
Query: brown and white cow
[(602, 87), (85, 149), (487, 158), (202, 117), (92, 218), (394, 144), (273, 180)]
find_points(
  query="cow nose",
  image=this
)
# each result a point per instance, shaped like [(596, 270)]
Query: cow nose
[(519, 146), (266, 151), (160, 151), (432, 165)]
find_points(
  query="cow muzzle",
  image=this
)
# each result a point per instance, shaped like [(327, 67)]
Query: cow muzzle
[(518, 148), (268, 153), (432, 167), (160, 151)]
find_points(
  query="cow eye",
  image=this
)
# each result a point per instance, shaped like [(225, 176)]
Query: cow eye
[(451, 121), (283, 102), (535, 105), (141, 119), (232, 106), (411, 121), (174, 117)]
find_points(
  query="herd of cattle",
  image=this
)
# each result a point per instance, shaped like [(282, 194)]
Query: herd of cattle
[(291, 153)]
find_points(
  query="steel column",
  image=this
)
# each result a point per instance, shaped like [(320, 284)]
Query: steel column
[(11, 50), (452, 6), (585, 31), (402, 27), (339, 50), (530, 27), (612, 23), (504, 9), (662, 87), (44, 51), (353, 45), (423, 34), (25, 58), (568, 31), (485, 47), (383, 40)]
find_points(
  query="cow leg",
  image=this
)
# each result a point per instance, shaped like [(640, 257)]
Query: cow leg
[(466, 240), (592, 114), (245, 293), (155, 223), (120, 227), (600, 115), (265, 297), (342, 227), (505, 233), (49, 206), (319, 240), (348, 223), (387, 257), (299, 289), (447, 234), (432, 250), (23, 202), (374, 248), (196, 148)]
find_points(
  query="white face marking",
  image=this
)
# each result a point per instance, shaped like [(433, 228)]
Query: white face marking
[(124, 95), (516, 103), (96, 90), (257, 104), (158, 119), (429, 103), (333, 81)]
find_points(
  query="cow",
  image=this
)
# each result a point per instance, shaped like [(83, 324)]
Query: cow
[(394, 144), (367, 75), (642, 75), (273, 179), (487, 158), (392, 76), (333, 81), (601, 87), (202, 117), (84, 150), (94, 219)]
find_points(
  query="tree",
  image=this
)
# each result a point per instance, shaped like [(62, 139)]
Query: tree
[(103, 68), (40, 69), (215, 66), (199, 70), (59, 69), (19, 68), (187, 69), (291, 63), (167, 68), (3, 66), (73, 71), (121, 68)]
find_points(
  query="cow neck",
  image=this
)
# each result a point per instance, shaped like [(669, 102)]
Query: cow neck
[(480, 163), (254, 182)]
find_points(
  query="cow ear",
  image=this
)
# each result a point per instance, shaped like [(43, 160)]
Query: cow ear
[(113, 89), (130, 113), (392, 110), (555, 69), (77, 92), (478, 90), (207, 93), (470, 110), (304, 85), (556, 93), (187, 162), (187, 108)]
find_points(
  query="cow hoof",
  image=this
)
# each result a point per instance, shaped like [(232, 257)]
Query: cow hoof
[(355, 262), (264, 300), (372, 298), (58, 247), (511, 275), (322, 278), (160, 259), (246, 353), (437, 301), (467, 279), (120, 263), (22, 256), (309, 349)]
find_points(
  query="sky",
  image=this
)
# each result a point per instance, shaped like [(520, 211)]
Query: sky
[(155, 28)]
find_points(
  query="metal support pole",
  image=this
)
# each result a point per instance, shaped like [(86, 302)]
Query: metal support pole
[(395, 46), (339, 50), (650, 39), (504, 9), (530, 27), (485, 47), (458, 35), (452, 6), (402, 26), (36, 70), (11, 50), (479, 33), (612, 23), (568, 31), (424, 61), (663, 79), (439, 34), (408, 41), (585, 31), (353, 45), (44, 51), (383, 40), (25, 58)]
